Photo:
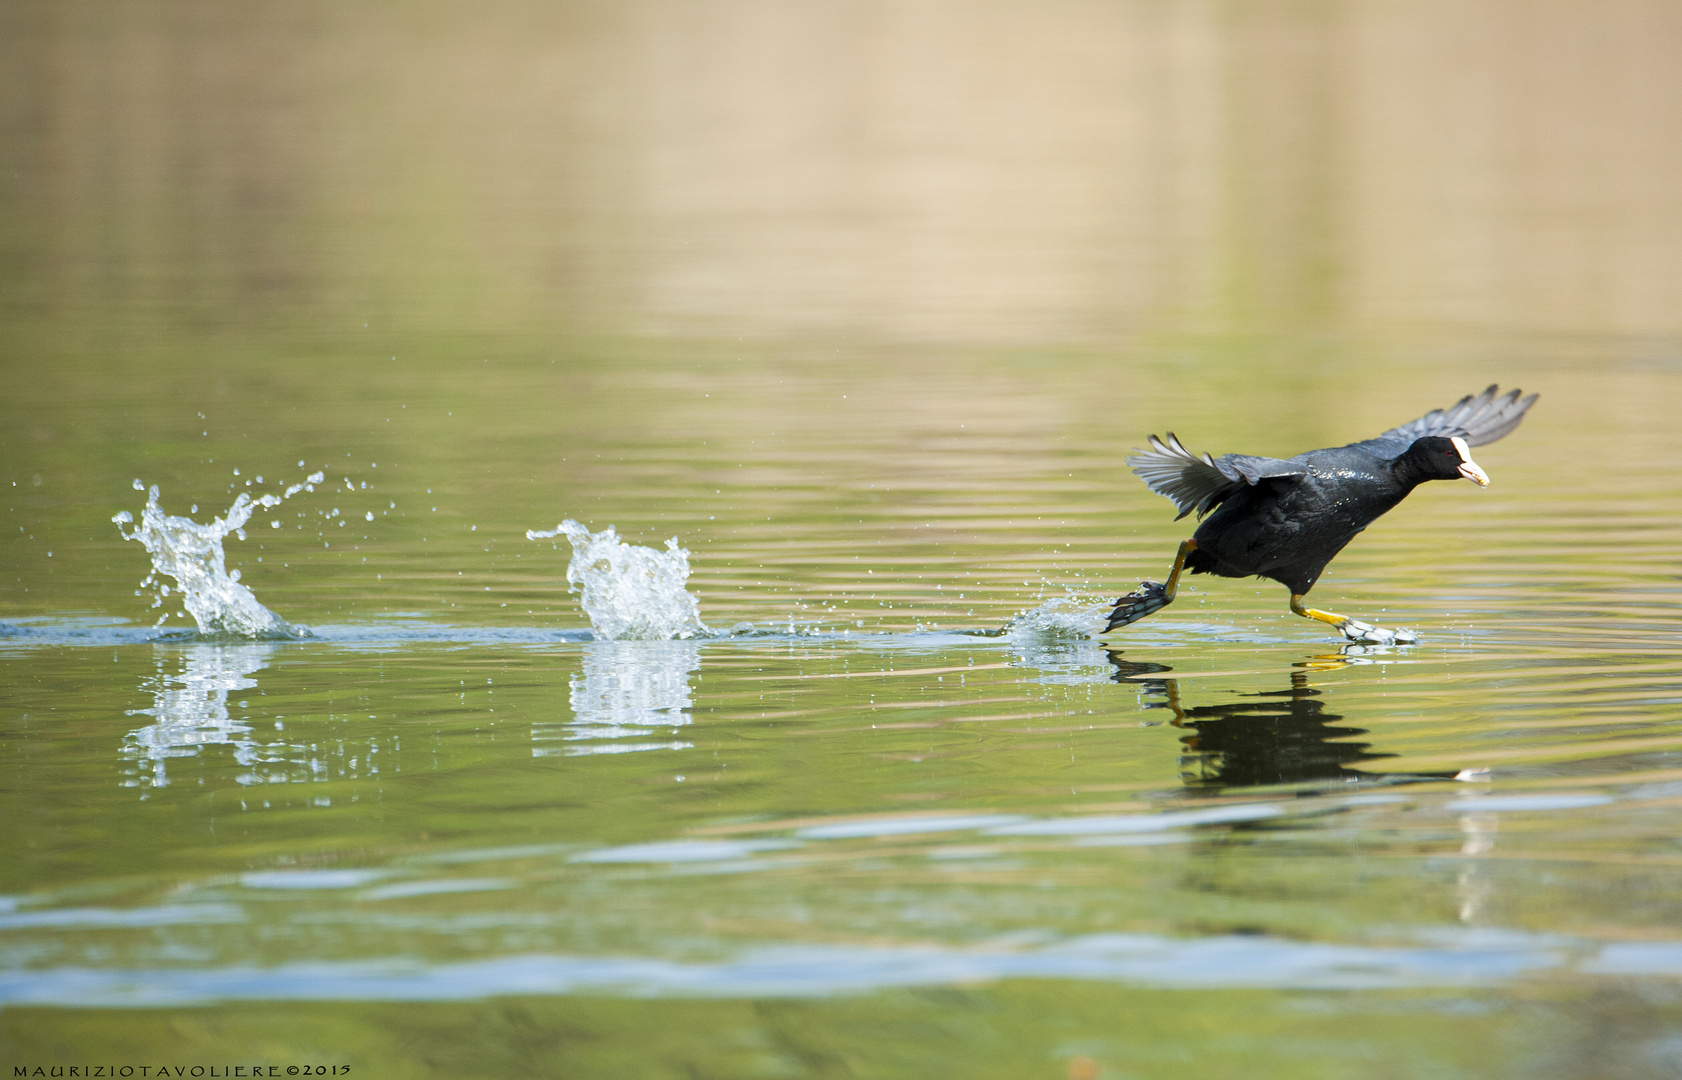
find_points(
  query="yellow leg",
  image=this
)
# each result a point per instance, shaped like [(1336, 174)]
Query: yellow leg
[(1355, 630), (1339, 621), (1172, 585), (1150, 596)]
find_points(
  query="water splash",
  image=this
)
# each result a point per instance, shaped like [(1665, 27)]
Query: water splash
[(630, 592), (1068, 616), (192, 554), (1056, 639)]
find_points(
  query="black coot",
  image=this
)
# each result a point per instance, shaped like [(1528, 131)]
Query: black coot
[(1286, 519)]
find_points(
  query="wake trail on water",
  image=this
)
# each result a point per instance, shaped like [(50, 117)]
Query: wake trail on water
[(629, 592), (632, 592), (192, 555)]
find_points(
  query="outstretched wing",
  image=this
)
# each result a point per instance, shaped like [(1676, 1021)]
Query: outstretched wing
[(1479, 419), (1203, 483)]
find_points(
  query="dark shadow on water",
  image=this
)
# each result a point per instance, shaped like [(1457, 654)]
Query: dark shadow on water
[(1271, 737)]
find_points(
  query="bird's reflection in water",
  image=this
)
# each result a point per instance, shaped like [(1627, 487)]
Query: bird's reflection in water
[(1270, 737)]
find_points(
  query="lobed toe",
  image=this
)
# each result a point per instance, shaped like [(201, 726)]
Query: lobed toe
[(1363, 633), (1147, 599)]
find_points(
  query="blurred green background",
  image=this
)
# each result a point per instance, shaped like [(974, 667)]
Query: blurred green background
[(493, 248)]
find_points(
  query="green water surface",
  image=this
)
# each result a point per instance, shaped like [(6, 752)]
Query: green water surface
[(870, 329)]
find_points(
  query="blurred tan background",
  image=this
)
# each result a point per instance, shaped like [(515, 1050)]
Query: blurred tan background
[(996, 173)]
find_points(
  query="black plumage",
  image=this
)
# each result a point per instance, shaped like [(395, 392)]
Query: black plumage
[(1286, 519)]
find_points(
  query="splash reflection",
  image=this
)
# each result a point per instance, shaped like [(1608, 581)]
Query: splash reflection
[(1063, 660), (191, 712), (625, 692)]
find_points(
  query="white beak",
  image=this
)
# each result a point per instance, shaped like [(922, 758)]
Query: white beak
[(1469, 468)]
